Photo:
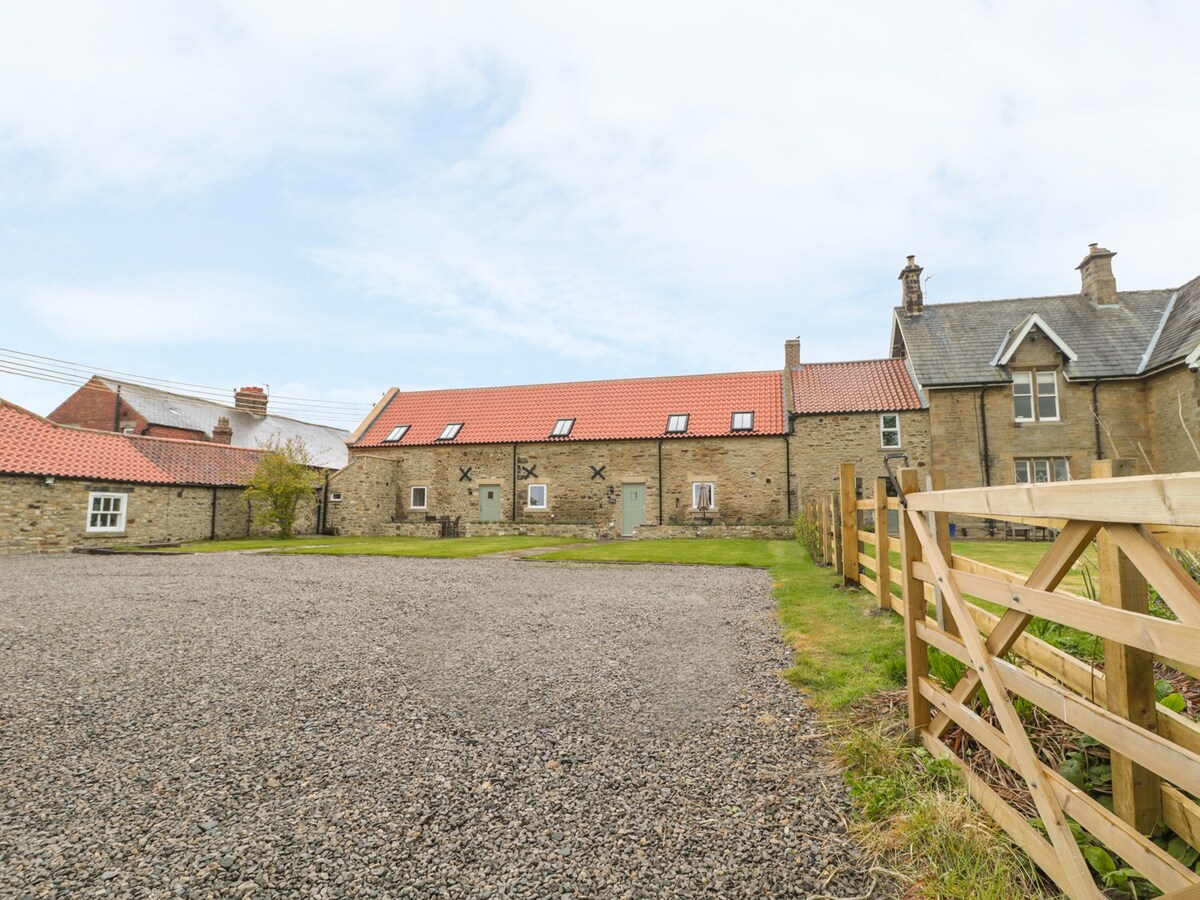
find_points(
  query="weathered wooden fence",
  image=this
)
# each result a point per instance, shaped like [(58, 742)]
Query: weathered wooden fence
[(1155, 752)]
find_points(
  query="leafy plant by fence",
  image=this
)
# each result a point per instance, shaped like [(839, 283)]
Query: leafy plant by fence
[(1154, 751)]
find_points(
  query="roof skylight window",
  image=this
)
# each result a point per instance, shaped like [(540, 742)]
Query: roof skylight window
[(742, 421), (562, 427), (450, 432), (396, 433), (677, 424)]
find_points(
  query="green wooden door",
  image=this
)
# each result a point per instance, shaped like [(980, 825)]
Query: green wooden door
[(489, 503), (633, 507)]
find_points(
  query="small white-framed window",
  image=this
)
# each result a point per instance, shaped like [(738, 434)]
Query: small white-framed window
[(536, 496), (742, 421), (106, 512), (450, 432), (889, 430), (335, 497), (677, 424), (562, 428), (704, 495), (396, 434), (1042, 471), (418, 497), (1035, 395)]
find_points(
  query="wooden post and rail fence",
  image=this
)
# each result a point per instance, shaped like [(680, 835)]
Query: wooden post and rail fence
[(1135, 522)]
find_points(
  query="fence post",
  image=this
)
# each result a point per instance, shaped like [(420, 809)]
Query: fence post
[(1128, 671), (939, 524), (835, 533), (849, 505), (916, 654), (883, 548)]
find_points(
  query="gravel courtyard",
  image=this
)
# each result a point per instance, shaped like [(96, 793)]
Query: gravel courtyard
[(241, 725)]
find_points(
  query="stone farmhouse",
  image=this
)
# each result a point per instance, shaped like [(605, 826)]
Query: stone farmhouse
[(64, 488), (731, 453), (1035, 389), (106, 405)]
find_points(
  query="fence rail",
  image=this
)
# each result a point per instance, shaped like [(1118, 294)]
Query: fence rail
[(1134, 522)]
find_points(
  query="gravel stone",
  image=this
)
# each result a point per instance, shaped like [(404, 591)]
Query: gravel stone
[(335, 727)]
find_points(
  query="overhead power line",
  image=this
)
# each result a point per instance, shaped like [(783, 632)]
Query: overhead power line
[(57, 371)]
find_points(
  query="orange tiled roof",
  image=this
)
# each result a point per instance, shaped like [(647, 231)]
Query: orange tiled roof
[(602, 410), (873, 385), (31, 445)]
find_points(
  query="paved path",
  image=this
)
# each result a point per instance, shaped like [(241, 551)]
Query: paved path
[(233, 725)]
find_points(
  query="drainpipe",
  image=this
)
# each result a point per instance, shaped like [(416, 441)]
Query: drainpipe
[(324, 506), (660, 486), (212, 527), (787, 481), (514, 484), (117, 411), (1096, 417), (987, 464)]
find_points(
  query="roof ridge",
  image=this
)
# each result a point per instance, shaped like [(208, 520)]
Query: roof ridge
[(853, 362), (1075, 296), (501, 387)]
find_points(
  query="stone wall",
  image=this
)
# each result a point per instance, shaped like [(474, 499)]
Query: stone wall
[(583, 482), (821, 443), (1173, 400), (39, 517)]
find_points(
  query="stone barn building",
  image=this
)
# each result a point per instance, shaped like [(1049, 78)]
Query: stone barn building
[(720, 454)]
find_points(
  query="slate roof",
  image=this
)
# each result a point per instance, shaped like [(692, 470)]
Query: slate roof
[(872, 385), (602, 410), (31, 445), (1181, 332), (327, 445), (955, 343)]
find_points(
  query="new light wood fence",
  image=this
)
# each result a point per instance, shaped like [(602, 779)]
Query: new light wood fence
[(1155, 752)]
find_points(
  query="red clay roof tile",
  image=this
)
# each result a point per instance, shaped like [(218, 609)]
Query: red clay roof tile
[(602, 410), (873, 385), (31, 445)]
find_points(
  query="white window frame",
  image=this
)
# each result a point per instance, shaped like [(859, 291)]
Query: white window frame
[(1028, 466), (96, 511), (885, 430), (678, 419), (529, 502), (1052, 374), (450, 432), (562, 428), (745, 416), (712, 487), (1032, 381), (412, 497), (335, 497), (396, 434)]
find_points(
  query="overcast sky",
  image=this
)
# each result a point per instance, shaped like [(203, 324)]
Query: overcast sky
[(336, 198)]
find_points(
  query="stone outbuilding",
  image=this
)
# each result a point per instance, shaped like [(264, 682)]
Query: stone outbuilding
[(64, 488), (718, 454)]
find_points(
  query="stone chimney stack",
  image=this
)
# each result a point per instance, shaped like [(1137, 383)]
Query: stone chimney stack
[(252, 400), (791, 353), (910, 275), (1095, 271), (222, 433)]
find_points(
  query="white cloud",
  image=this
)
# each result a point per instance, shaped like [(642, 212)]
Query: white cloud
[(181, 308)]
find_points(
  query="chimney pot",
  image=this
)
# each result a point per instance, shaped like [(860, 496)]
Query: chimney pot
[(910, 276), (252, 400), (1096, 275), (791, 353)]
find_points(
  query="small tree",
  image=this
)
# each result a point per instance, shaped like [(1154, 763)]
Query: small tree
[(283, 479)]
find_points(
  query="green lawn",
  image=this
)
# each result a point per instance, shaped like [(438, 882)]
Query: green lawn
[(692, 551), (1022, 556), (377, 546)]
